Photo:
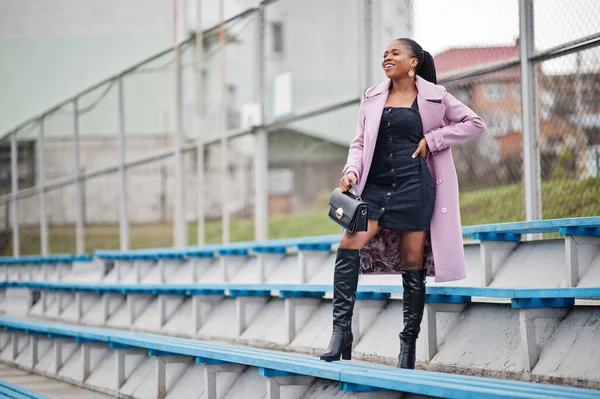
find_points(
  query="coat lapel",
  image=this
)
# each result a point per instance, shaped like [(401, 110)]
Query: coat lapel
[(431, 108), (375, 99)]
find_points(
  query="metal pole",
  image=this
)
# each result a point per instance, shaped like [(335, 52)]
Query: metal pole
[(42, 191), (123, 217), (531, 157), (580, 140), (261, 153), (225, 220), (179, 223), (79, 219), (225, 200), (14, 189), (200, 178), (365, 39)]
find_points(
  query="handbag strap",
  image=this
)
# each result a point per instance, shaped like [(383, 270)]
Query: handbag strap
[(355, 190)]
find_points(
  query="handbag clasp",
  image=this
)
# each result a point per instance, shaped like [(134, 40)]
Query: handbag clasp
[(339, 213)]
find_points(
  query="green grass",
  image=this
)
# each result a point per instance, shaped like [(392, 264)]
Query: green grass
[(562, 198)]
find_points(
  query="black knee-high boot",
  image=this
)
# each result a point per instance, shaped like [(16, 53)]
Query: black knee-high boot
[(345, 281), (413, 306)]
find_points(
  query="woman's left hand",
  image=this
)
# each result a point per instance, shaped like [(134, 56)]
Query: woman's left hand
[(422, 148)]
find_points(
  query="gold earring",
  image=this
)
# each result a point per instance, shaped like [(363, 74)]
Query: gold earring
[(411, 72)]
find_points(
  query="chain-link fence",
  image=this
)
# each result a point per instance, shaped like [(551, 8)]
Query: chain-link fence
[(98, 171)]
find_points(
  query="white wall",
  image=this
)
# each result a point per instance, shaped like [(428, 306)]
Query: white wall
[(51, 49)]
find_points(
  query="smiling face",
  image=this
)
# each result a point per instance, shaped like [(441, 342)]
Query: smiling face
[(398, 60)]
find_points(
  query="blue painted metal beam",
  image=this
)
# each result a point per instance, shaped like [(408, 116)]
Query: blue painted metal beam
[(496, 236), (301, 294), (373, 296), (237, 292), (434, 298), (116, 345), (592, 231), (382, 292), (11, 391), (525, 303)]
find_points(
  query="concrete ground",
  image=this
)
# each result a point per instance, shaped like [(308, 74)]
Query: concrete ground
[(46, 386)]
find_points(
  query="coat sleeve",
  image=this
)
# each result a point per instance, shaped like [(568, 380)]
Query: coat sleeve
[(355, 153), (466, 124)]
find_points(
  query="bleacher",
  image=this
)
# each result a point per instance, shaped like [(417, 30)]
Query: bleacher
[(278, 368), (528, 310)]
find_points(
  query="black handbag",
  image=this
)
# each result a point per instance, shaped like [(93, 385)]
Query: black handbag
[(348, 210)]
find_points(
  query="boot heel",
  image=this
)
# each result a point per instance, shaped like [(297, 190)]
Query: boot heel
[(347, 353)]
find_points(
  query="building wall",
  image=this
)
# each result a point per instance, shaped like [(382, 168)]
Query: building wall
[(80, 43), (502, 114), (310, 167), (150, 187)]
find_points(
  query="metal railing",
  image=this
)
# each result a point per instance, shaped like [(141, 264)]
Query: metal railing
[(528, 62)]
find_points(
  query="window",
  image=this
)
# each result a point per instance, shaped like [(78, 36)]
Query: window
[(277, 30), (25, 165), (281, 181), (494, 91)]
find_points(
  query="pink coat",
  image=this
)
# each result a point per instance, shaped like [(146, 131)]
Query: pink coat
[(446, 122)]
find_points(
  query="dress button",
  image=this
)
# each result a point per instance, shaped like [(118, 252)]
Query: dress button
[(393, 185), (388, 194), (444, 210), (439, 181), (382, 209), (391, 155), (392, 170), (389, 124)]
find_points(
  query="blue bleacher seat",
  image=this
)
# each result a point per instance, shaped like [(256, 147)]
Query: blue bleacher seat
[(351, 375), (10, 391), (521, 297)]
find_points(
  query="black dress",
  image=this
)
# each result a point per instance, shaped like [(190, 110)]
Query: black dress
[(399, 191)]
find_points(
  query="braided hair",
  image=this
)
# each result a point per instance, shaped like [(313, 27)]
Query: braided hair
[(426, 66)]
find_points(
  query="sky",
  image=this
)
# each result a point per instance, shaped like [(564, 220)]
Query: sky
[(440, 25)]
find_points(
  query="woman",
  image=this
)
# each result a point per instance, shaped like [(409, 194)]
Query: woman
[(402, 164)]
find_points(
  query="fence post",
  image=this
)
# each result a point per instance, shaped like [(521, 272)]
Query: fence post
[(531, 155), (42, 191), (14, 154), (365, 40), (179, 222), (261, 153), (200, 177), (222, 118), (79, 223), (123, 217)]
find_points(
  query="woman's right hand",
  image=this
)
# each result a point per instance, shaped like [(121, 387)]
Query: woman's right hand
[(345, 181)]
